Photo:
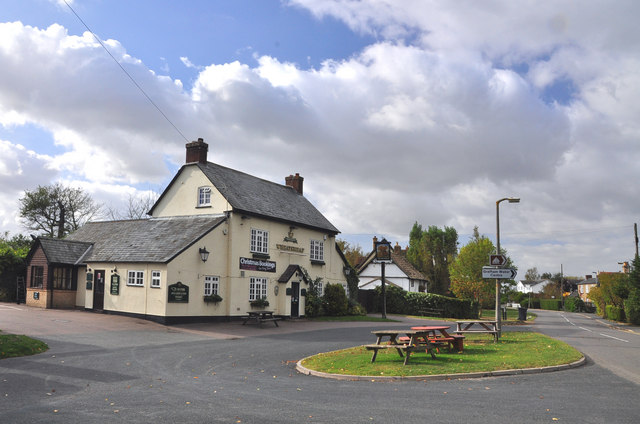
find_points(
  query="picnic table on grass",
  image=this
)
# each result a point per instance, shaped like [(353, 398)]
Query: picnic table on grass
[(418, 340), (260, 316), (439, 336), (478, 326)]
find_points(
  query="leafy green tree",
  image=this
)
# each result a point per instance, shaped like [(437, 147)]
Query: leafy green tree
[(56, 210), (532, 274), (431, 251), (354, 254), (466, 271), (13, 251), (634, 275)]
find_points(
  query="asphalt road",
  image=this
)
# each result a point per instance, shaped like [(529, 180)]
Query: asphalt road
[(106, 368)]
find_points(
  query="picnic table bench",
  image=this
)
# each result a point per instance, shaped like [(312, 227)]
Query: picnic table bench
[(478, 326), (418, 340), (261, 316)]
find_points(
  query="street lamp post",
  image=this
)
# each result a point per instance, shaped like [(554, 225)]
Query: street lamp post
[(498, 314)]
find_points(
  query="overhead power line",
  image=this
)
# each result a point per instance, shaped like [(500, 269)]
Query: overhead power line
[(126, 73)]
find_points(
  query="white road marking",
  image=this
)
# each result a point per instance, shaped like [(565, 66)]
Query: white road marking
[(622, 340), (586, 329)]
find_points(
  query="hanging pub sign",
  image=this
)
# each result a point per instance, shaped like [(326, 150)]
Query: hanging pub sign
[(115, 284), (257, 265), (383, 251), (178, 293)]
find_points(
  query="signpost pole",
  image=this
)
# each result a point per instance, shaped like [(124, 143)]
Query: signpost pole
[(384, 294)]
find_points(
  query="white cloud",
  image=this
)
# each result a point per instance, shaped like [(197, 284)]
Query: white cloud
[(443, 116)]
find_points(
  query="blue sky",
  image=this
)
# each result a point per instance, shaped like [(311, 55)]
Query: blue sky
[(394, 112)]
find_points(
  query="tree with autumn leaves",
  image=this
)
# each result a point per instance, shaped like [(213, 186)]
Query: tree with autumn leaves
[(466, 271)]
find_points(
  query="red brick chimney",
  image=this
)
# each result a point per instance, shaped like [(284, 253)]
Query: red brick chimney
[(197, 151), (375, 240), (397, 248), (295, 182)]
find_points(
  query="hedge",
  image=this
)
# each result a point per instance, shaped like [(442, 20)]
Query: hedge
[(614, 313), (551, 304), (573, 304), (400, 301)]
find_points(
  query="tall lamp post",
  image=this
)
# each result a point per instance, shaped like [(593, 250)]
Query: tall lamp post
[(498, 314), (383, 256)]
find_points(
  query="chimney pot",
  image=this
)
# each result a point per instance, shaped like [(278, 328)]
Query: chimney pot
[(295, 182), (197, 151)]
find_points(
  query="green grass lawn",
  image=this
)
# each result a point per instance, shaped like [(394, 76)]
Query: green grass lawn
[(515, 350), (12, 345)]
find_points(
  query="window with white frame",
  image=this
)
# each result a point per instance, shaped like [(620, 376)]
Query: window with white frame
[(257, 288), (211, 284), (135, 278), (204, 196), (319, 289), (155, 279), (345, 286), (259, 241), (316, 252)]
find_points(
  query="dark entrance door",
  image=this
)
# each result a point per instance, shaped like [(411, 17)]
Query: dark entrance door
[(295, 299), (98, 290)]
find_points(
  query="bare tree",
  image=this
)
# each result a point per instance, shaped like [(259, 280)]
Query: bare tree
[(56, 210), (135, 208)]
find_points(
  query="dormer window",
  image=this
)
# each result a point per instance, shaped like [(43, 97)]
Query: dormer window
[(204, 196)]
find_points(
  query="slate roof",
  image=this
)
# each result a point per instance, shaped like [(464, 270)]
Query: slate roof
[(64, 252), (157, 240), (288, 273), (246, 193), (255, 196)]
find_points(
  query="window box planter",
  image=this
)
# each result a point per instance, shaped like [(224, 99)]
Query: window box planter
[(259, 303), (213, 298)]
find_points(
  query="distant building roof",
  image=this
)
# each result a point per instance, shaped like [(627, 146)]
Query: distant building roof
[(156, 240), (399, 258)]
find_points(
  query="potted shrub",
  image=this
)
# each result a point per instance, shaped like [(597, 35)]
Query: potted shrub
[(259, 303), (213, 298)]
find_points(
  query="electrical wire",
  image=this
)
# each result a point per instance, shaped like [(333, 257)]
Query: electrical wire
[(126, 73)]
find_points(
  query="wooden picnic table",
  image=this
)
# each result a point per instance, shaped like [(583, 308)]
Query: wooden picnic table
[(260, 316), (418, 340), (438, 334), (478, 326)]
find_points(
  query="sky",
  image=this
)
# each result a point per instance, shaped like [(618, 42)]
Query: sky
[(393, 112)]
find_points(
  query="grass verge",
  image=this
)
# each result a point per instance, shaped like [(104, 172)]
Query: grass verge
[(515, 350), (12, 346)]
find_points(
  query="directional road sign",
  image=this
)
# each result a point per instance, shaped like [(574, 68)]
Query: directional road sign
[(497, 260), (500, 273)]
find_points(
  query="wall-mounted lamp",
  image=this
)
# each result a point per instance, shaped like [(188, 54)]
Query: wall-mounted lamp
[(347, 271), (204, 254)]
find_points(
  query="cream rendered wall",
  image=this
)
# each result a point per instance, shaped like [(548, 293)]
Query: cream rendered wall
[(189, 269), (81, 275), (181, 198), (240, 232), (143, 300)]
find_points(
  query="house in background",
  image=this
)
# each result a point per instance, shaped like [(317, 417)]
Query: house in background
[(213, 231), (399, 272), (585, 286), (531, 286)]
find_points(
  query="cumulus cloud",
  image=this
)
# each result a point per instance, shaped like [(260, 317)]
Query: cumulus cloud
[(450, 110)]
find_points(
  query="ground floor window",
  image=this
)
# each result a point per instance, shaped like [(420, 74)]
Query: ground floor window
[(155, 279), (319, 289), (62, 278), (211, 285), (135, 278), (257, 288), (37, 272)]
